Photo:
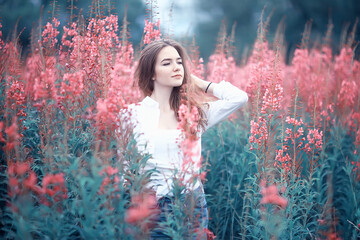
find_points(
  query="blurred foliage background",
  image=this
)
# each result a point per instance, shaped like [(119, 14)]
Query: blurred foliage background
[(244, 15), (294, 14)]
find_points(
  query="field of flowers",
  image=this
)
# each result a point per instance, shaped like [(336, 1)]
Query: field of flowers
[(285, 166)]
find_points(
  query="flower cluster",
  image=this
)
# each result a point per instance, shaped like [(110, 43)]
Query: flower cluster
[(92, 50), (206, 232), (21, 179), (221, 67), (111, 177), (12, 133), (53, 185), (283, 159), (11, 59), (311, 71), (347, 73), (259, 133), (197, 67), (356, 169), (45, 85), (286, 158), (265, 87), (142, 207), (72, 85), (150, 32), (50, 33), (270, 195), (69, 34), (1, 35), (260, 68), (348, 93), (272, 100), (296, 133), (15, 96), (314, 138), (100, 39), (121, 88), (189, 123)]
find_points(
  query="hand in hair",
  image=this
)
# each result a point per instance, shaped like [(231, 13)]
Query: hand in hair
[(202, 84)]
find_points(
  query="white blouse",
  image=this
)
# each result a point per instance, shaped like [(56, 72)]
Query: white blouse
[(163, 144)]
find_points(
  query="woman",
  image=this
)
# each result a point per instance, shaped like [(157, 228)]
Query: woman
[(165, 81)]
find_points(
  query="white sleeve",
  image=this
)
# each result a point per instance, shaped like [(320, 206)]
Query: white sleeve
[(230, 99)]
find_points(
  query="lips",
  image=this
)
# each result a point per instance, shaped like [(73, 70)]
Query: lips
[(177, 76)]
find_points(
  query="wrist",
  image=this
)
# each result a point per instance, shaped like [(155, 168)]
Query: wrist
[(207, 88)]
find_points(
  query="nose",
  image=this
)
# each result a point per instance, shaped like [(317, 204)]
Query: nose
[(176, 67)]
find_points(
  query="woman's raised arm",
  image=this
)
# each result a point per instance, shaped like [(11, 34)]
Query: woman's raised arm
[(230, 99)]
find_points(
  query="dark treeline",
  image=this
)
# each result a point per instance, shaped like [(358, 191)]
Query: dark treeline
[(20, 17), (241, 15), (293, 14)]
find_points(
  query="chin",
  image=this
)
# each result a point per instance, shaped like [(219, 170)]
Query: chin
[(178, 85)]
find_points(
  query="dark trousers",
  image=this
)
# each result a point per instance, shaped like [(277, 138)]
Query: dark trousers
[(192, 206)]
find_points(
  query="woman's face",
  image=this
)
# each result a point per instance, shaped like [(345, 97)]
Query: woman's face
[(169, 69)]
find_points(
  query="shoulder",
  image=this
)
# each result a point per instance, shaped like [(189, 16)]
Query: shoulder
[(128, 114)]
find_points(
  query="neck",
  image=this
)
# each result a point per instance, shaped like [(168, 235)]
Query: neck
[(162, 95)]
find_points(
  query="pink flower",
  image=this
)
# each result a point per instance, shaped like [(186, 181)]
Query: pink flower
[(272, 99), (110, 178), (12, 132), (73, 84), (150, 32), (31, 183), (293, 121), (54, 186), (259, 133), (22, 178), (50, 33), (271, 195), (221, 67), (1, 35), (15, 96), (2, 139), (142, 207), (12, 136), (314, 137), (283, 160), (188, 143)]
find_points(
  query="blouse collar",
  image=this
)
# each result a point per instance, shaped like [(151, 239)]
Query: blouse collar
[(148, 101)]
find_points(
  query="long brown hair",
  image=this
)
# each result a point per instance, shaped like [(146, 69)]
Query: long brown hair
[(186, 93)]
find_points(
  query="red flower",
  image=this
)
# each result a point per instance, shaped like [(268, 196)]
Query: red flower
[(209, 234), (31, 183), (14, 182), (143, 206), (12, 132), (22, 178), (2, 139), (271, 195), (53, 185), (18, 168), (111, 177), (150, 32)]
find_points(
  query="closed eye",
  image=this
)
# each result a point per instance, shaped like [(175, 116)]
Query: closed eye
[(167, 61)]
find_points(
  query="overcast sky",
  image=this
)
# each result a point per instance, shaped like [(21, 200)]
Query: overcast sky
[(183, 19)]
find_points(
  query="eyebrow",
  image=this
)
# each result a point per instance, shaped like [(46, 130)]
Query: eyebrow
[(169, 59)]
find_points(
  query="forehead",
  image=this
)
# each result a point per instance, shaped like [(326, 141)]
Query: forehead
[(168, 52)]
